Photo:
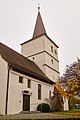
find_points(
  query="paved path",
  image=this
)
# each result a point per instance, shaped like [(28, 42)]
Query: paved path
[(33, 116)]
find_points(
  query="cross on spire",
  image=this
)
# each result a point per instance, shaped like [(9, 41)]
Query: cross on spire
[(38, 7)]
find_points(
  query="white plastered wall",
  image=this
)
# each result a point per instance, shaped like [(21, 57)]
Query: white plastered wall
[(3, 84), (40, 61), (48, 44), (32, 47), (40, 50), (15, 100), (53, 70), (54, 65), (52, 74)]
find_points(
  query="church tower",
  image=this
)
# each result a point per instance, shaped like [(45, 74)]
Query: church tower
[(42, 50)]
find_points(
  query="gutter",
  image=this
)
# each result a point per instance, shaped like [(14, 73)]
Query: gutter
[(36, 75), (7, 90)]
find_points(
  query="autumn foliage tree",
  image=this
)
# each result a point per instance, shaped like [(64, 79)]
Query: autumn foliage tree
[(69, 84), (70, 89), (72, 72)]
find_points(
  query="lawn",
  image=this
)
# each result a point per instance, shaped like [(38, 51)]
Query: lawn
[(64, 115), (69, 112)]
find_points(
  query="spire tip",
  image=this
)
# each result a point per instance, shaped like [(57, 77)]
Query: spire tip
[(38, 7)]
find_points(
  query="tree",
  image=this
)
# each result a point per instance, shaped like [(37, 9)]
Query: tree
[(70, 81), (71, 88), (74, 102), (69, 84), (56, 101), (72, 71)]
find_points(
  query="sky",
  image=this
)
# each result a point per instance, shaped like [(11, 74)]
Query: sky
[(61, 19)]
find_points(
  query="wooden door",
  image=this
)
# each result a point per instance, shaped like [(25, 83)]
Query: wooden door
[(26, 102)]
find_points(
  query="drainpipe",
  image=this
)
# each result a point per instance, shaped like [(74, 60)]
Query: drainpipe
[(7, 90)]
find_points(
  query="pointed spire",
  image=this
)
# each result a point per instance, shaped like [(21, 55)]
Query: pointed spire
[(39, 26)]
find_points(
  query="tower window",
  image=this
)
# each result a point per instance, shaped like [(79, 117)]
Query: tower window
[(33, 58), (52, 61), (55, 51), (51, 48), (39, 91), (20, 79), (29, 83)]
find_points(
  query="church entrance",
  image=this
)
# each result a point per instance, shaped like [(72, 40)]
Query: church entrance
[(26, 102)]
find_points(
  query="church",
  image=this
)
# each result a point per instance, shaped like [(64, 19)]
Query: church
[(27, 79)]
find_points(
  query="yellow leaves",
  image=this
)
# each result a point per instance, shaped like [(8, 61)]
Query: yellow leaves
[(75, 92), (70, 95), (73, 84), (69, 90), (72, 87), (77, 86)]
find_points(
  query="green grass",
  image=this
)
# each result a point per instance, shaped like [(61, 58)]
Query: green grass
[(68, 111), (75, 114)]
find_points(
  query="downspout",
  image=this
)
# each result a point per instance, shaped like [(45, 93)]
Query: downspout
[(7, 90)]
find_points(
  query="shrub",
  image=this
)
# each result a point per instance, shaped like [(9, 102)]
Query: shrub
[(43, 107), (56, 103)]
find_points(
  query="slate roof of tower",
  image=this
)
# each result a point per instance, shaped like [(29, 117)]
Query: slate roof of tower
[(39, 30), (22, 64), (39, 27)]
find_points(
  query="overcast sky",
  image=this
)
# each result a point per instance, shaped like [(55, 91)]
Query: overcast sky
[(61, 19)]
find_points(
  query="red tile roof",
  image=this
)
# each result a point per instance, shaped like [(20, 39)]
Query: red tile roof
[(22, 64)]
